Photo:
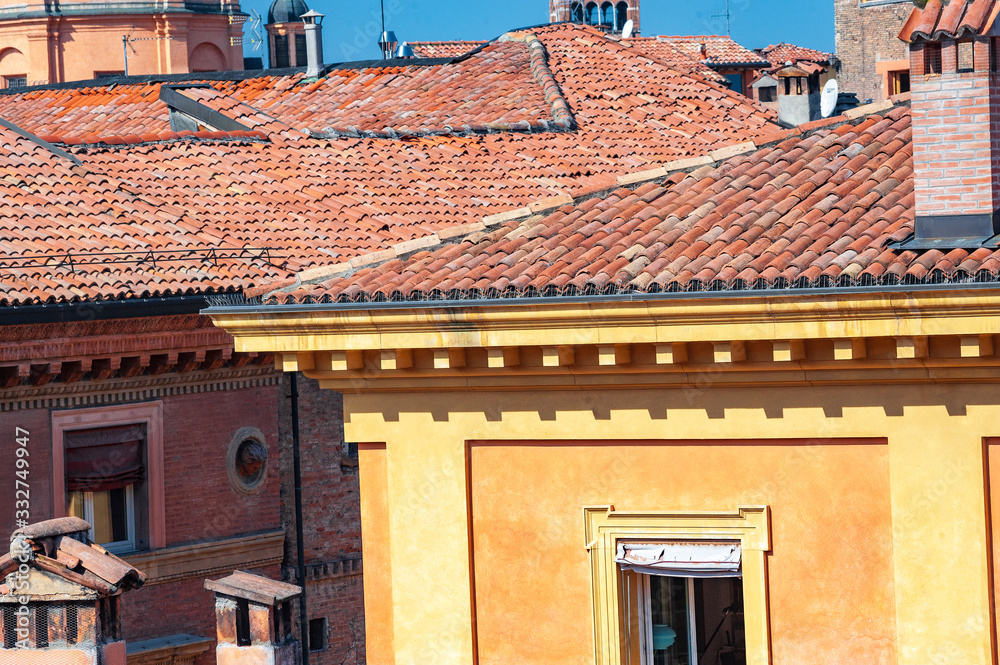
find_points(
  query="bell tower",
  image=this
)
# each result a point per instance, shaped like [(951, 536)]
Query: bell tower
[(608, 15)]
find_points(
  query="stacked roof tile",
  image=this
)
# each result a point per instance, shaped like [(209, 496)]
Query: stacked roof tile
[(159, 215), (715, 50), (447, 49), (953, 19), (818, 210), (779, 54)]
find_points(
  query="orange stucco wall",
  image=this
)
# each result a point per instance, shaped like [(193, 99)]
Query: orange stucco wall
[(56, 50), (830, 574), (375, 544)]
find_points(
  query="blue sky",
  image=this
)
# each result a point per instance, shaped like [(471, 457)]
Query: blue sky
[(351, 28)]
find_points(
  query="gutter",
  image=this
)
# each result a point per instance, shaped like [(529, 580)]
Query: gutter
[(101, 310), (259, 309)]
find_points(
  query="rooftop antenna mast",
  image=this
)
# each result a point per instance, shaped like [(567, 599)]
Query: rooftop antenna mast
[(128, 40), (728, 15)]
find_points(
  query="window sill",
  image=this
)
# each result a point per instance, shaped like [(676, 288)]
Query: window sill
[(204, 559)]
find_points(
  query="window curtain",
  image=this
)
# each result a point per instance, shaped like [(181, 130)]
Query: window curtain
[(100, 460), (681, 559)]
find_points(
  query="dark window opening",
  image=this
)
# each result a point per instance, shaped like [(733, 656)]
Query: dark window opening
[(788, 86), (768, 93), (900, 82), (108, 75), (995, 54), (317, 634), (110, 627), (281, 51), (72, 625), (593, 14), (735, 82), (798, 85), (9, 626), (243, 623), (966, 56), (608, 14), (576, 13), (621, 11), (300, 51), (42, 627), (932, 58), (16, 81)]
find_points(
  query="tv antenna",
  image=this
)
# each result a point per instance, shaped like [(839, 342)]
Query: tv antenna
[(128, 40), (728, 15)]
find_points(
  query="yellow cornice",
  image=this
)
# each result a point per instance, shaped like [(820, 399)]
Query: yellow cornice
[(848, 316), (841, 338)]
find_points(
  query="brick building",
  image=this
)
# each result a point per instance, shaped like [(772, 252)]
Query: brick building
[(606, 15), (874, 62)]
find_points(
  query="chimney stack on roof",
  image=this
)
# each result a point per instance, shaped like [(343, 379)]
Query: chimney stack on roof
[(314, 43), (955, 101)]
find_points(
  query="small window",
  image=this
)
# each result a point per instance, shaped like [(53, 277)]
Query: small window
[(108, 74), (932, 58), (243, 623), (72, 624), (576, 12), (317, 634), (621, 16), (735, 82), (281, 51), (300, 51), (788, 86), (798, 85), (966, 55), (768, 93), (246, 461), (899, 82), (105, 475), (16, 81), (42, 626), (593, 14), (608, 14)]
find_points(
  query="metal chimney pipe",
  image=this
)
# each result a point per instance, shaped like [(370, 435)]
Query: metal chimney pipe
[(314, 43)]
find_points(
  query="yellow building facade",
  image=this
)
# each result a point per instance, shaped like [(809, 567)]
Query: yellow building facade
[(846, 441)]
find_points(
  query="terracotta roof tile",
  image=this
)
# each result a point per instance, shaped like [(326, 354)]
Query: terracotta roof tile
[(447, 49), (779, 54), (176, 213), (955, 19), (717, 50), (789, 243)]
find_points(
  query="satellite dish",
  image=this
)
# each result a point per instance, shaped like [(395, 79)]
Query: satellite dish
[(828, 100), (628, 29)]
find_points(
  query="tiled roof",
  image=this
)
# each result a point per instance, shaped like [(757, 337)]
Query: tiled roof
[(952, 19), (661, 50), (779, 54), (450, 49), (159, 215), (813, 210), (719, 50)]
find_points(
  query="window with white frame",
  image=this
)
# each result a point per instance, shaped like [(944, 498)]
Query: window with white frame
[(106, 484), (683, 602)]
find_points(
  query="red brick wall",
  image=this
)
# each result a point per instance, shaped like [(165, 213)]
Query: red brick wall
[(866, 35), (952, 147), (39, 426), (200, 504), (197, 430), (332, 520), (176, 607)]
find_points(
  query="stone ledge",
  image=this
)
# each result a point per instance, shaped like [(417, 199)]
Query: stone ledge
[(172, 650), (204, 559)]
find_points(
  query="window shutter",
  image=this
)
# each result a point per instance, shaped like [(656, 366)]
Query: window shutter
[(99, 460), (699, 559)]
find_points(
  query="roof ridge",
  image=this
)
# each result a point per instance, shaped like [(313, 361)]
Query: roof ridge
[(132, 140)]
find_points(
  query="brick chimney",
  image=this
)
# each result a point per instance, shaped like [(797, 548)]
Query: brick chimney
[(254, 620), (955, 103), (59, 598)]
